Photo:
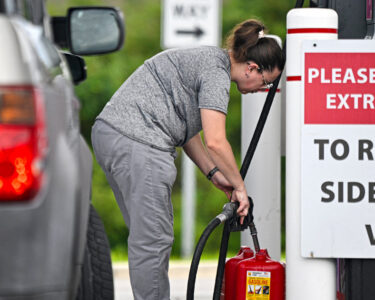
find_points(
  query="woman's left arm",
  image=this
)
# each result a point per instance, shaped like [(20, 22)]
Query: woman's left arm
[(195, 150)]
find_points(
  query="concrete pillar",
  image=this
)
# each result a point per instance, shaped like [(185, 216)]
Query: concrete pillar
[(306, 278), (263, 178)]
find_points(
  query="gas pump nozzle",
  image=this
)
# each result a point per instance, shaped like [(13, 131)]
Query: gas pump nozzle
[(229, 213)]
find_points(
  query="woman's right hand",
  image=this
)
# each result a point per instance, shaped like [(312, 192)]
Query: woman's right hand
[(240, 195)]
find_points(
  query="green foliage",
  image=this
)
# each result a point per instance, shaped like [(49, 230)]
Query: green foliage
[(107, 72)]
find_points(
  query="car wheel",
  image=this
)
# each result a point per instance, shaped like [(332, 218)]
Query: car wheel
[(97, 276)]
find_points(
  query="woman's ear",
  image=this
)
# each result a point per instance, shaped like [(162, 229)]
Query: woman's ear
[(247, 70), (252, 66)]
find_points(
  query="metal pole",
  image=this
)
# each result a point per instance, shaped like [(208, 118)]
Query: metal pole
[(188, 206)]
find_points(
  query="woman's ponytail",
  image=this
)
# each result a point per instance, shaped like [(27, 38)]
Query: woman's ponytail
[(247, 43), (244, 36)]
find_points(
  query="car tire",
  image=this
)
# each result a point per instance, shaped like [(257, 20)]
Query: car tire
[(97, 276)]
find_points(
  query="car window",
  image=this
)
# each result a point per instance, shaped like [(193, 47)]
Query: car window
[(31, 10)]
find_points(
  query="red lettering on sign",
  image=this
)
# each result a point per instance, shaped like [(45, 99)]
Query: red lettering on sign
[(339, 88)]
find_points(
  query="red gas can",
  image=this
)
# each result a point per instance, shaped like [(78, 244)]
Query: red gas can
[(229, 281), (260, 278)]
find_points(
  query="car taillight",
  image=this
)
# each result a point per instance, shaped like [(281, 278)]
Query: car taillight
[(23, 142)]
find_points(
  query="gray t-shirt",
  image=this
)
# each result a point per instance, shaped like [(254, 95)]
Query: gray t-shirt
[(159, 103)]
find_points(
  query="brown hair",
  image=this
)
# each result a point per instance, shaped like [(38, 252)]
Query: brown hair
[(246, 45)]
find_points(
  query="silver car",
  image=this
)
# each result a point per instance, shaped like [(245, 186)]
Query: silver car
[(52, 242)]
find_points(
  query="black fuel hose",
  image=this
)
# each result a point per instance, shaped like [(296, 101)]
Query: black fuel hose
[(228, 211), (197, 256), (221, 264), (299, 3)]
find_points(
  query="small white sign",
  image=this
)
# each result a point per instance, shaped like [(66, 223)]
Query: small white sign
[(338, 149), (189, 23)]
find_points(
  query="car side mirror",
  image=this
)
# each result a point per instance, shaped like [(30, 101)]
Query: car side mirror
[(94, 30), (77, 67), (90, 30)]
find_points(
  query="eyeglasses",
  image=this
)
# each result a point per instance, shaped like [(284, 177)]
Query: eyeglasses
[(268, 85)]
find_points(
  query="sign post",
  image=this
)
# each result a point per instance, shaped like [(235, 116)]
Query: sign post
[(337, 149)]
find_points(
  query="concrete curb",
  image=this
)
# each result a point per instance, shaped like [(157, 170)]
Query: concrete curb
[(178, 276)]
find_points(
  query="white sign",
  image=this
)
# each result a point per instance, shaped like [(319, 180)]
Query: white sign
[(188, 23), (337, 151)]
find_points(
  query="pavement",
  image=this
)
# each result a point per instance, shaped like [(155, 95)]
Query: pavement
[(178, 276)]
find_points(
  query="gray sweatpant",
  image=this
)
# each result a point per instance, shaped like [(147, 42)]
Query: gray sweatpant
[(141, 178)]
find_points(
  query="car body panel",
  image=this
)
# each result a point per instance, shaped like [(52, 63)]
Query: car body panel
[(43, 239)]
